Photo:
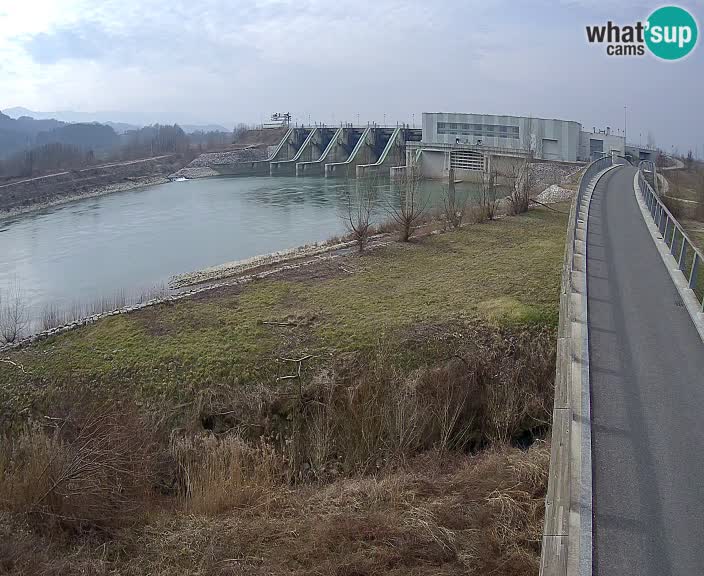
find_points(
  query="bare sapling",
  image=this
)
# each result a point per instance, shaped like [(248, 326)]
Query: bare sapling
[(407, 206), (487, 197), (14, 316), (454, 203), (520, 180), (359, 209)]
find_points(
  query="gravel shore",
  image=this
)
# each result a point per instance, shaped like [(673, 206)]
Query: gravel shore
[(138, 182)]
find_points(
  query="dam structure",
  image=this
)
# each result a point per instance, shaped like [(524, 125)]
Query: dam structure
[(389, 152), (313, 147), (332, 151), (342, 145), (290, 144)]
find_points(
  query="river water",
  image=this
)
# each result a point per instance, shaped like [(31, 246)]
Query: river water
[(127, 243)]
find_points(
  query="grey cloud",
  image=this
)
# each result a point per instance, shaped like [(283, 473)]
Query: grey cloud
[(85, 42)]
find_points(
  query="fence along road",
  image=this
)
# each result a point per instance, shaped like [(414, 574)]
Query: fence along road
[(647, 393)]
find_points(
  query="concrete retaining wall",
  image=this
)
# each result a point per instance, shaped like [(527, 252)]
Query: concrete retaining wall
[(567, 533)]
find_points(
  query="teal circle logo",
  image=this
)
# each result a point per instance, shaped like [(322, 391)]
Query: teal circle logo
[(671, 32)]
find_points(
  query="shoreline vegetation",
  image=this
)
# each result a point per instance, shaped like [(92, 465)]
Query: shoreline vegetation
[(382, 411)]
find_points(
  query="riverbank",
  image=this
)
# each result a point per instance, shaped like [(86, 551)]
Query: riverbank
[(41, 192), (385, 411), (133, 184)]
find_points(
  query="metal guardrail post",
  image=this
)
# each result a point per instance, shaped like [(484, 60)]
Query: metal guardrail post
[(673, 244), (693, 273), (683, 255)]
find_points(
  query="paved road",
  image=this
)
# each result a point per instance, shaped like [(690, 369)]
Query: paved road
[(647, 379)]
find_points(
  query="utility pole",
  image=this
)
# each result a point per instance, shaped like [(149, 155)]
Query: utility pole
[(624, 125)]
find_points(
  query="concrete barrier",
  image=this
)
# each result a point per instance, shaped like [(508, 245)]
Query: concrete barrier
[(567, 533)]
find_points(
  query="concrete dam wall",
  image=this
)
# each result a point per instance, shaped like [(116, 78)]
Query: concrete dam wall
[(345, 151)]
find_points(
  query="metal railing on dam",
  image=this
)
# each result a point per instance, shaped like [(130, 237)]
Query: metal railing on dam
[(567, 533), (690, 259)]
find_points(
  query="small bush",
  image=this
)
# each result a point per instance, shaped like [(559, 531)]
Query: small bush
[(95, 469)]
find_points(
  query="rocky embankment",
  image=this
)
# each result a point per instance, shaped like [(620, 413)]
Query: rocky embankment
[(41, 192), (205, 165), (545, 174)]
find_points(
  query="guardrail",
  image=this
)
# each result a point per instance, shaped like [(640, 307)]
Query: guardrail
[(592, 170), (690, 259), (566, 549)]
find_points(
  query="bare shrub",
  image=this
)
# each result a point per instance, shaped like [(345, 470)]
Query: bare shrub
[(520, 180), (454, 204), (52, 317), (94, 470), (487, 195), (359, 209), (369, 414), (219, 474), (14, 316), (407, 206)]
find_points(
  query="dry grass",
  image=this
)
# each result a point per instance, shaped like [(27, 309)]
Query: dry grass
[(92, 468), (221, 474), (438, 514)]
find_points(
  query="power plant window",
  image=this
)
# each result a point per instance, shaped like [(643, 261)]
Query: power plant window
[(467, 160), (478, 130)]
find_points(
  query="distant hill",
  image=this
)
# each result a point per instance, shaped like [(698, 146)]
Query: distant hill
[(24, 133), (109, 118), (69, 116)]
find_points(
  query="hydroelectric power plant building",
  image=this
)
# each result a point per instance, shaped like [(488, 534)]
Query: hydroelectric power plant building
[(468, 142)]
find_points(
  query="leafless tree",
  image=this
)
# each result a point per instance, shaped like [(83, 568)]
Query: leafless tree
[(359, 209), (520, 180), (14, 318), (407, 206), (455, 205), (487, 197)]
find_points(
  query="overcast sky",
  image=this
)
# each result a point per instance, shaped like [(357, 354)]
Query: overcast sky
[(227, 61)]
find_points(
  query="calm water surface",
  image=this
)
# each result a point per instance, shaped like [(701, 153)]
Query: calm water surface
[(131, 241)]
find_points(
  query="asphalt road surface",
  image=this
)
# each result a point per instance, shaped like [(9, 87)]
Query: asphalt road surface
[(647, 391)]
